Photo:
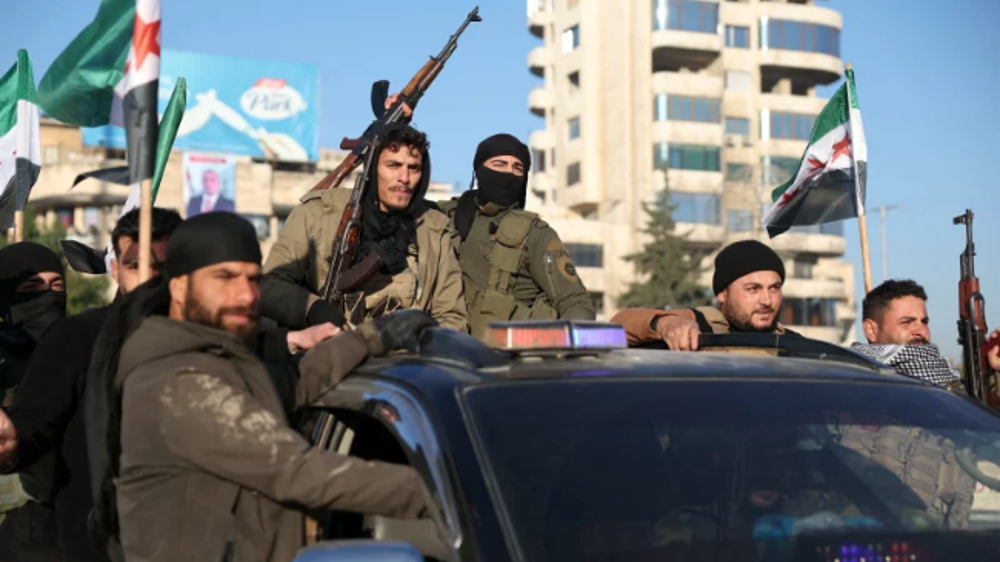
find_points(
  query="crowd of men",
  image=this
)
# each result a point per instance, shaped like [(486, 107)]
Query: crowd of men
[(160, 426)]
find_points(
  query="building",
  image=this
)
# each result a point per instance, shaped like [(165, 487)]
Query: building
[(718, 97), (266, 191)]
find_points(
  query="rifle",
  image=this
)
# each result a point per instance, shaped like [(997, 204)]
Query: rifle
[(972, 327), (363, 151)]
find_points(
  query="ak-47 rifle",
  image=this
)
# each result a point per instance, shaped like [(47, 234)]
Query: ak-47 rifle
[(341, 276), (972, 327)]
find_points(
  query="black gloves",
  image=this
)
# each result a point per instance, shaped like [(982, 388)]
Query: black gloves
[(402, 330), (322, 311)]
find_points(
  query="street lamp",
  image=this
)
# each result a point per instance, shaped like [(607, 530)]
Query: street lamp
[(885, 252)]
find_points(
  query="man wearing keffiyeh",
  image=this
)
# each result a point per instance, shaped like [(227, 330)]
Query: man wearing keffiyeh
[(896, 326)]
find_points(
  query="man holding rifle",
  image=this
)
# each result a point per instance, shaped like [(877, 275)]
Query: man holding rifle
[(418, 267)]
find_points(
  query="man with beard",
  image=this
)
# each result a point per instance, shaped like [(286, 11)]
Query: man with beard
[(898, 331), (208, 467), (514, 266), (46, 414), (747, 283), (32, 297), (418, 265)]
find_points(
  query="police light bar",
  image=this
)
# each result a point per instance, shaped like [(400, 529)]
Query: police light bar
[(559, 335)]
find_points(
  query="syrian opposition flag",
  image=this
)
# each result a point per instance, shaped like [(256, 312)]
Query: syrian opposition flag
[(138, 91), (19, 145), (830, 182)]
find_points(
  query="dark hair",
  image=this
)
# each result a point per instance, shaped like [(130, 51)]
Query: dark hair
[(165, 222), (406, 136), (880, 297)]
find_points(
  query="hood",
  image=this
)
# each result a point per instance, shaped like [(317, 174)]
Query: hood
[(158, 337), (417, 204)]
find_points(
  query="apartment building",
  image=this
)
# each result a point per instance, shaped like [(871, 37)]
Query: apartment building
[(266, 192), (715, 97)]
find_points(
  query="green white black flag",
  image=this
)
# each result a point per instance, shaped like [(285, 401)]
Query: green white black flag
[(829, 184), (20, 162)]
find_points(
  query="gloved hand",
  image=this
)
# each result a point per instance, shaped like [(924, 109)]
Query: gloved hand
[(322, 312), (402, 330)]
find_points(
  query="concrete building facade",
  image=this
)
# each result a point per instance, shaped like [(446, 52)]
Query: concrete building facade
[(715, 99)]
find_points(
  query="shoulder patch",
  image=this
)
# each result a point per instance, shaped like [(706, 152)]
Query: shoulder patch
[(566, 268)]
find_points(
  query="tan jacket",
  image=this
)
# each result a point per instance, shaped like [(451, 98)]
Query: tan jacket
[(638, 322), (210, 469), (297, 265)]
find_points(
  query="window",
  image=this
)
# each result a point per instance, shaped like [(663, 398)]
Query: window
[(802, 266), (738, 81), (65, 216), (809, 312), (798, 36), (573, 126), (794, 126), (586, 255), (683, 108), (778, 169), (281, 222), (700, 208), (573, 174), (571, 39), (739, 220), (738, 126), (538, 160), (686, 157), (686, 15), (262, 224), (736, 171), (573, 82), (738, 37)]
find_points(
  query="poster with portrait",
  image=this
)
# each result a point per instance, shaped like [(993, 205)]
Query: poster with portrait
[(209, 183)]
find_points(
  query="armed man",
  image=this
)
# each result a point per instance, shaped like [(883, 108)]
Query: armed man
[(747, 283), (514, 265), (418, 267), (208, 467)]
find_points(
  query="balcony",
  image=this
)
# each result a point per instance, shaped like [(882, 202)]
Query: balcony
[(701, 235), (542, 140), (801, 43), (539, 59), (540, 100), (687, 84), (539, 17), (542, 182), (688, 132), (793, 104), (675, 49), (814, 289), (800, 66), (823, 245)]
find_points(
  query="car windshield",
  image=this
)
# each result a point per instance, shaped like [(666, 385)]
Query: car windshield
[(635, 469)]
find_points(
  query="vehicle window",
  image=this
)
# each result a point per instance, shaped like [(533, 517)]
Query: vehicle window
[(738, 470)]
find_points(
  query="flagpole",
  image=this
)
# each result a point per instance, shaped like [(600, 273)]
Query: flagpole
[(145, 228), (18, 226), (866, 263)]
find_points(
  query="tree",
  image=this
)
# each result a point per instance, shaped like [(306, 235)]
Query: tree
[(84, 291), (669, 266)]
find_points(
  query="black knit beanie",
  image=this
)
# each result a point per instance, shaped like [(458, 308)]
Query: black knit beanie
[(743, 258)]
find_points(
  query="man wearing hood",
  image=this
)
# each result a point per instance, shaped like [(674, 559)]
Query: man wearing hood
[(207, 466), (419, 268), (514, 265), (32, 297)]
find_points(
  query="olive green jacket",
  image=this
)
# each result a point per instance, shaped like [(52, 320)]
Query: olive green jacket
[(297, 265), (545, 270)]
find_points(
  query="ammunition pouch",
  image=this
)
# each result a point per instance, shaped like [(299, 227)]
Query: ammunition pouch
[(496, 302)]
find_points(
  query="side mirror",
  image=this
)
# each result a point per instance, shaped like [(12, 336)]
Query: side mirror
[(359, 551)]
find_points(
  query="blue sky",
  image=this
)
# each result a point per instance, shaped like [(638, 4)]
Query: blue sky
[(926, 73)]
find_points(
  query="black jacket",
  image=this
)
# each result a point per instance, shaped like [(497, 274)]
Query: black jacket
[(47, 416)]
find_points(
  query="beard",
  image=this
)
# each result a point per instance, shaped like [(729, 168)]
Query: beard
[(196, 311), (740, 321)]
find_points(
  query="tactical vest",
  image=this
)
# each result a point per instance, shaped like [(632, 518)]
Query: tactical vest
[(495, 302)]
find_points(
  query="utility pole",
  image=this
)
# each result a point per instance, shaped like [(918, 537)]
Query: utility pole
[(885, 251)]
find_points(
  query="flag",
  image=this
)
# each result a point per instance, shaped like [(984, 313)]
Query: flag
[(138, 91), (79, 86), (20, 150), (88, 260), (829, 184)]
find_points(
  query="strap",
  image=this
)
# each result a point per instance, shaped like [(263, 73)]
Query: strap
[(703, 324), (506, 256)]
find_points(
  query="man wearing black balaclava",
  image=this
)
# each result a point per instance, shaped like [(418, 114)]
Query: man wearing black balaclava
[(514, 266), (418, 268), (32, 297), (207, 466)]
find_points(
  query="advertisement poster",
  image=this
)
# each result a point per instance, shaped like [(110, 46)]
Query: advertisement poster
[(260, 108), (209, 183)]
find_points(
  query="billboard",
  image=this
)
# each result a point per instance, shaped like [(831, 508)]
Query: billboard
[(209, 183), (260, 108)]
